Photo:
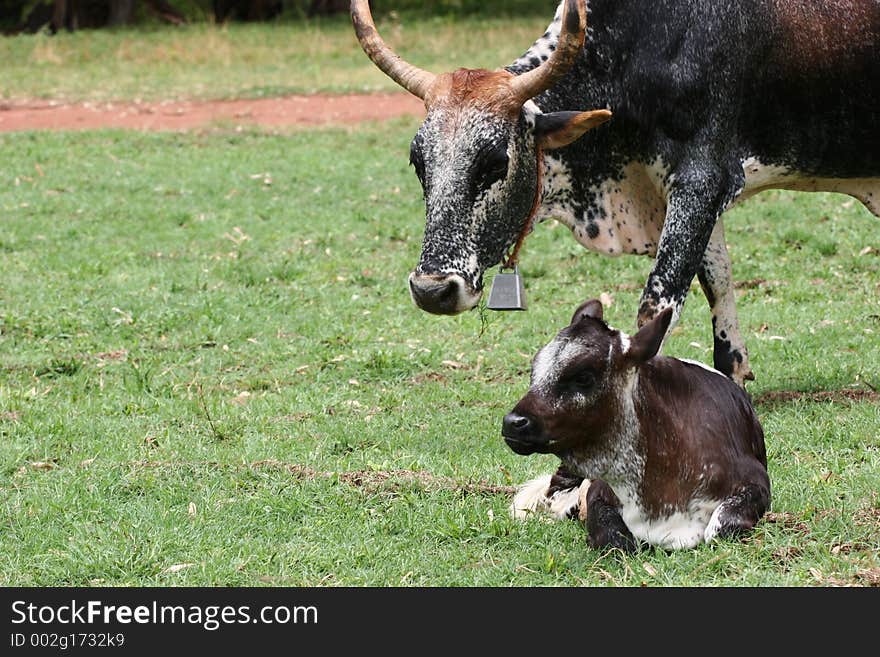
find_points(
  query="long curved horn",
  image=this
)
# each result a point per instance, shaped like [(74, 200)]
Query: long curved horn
[(413, 79), (571, 40)]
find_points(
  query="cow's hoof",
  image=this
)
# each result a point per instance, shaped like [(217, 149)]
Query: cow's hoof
[(742, 374)]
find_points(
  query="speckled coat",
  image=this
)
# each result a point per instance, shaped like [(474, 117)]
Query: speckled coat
[(710, 102)]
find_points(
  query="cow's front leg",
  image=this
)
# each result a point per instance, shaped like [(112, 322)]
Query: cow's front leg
[(716, 278), (698, 196)]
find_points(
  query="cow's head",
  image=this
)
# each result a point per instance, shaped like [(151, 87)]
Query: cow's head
[(476, 156), (580, 384)]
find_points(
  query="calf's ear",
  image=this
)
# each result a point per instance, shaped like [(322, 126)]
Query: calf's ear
[(558, 129), (591, 308), (645, 344)]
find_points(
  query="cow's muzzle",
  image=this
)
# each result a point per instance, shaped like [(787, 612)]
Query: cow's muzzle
[(524, 435), (443, 294)]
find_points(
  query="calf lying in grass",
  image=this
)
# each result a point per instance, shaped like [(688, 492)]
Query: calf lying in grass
[(653, 449)]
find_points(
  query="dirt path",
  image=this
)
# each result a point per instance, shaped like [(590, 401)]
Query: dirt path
[(185, 115)]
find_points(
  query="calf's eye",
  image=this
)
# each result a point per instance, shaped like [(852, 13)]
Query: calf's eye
[(583, 381)]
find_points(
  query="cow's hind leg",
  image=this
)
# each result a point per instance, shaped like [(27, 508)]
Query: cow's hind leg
[(730, 354), (557, 495), (605, 526), (739, 513)]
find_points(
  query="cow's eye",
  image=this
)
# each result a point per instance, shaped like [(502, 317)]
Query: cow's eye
[(493, 166), (415, 159)]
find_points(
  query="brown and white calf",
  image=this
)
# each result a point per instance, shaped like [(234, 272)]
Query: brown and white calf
[(653, 449)]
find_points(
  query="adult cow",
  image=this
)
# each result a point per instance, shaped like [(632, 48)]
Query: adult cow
[(713, 101)]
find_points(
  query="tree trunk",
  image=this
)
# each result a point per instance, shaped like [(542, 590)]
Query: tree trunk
[(62, 16), (166, 12), (121, 12)]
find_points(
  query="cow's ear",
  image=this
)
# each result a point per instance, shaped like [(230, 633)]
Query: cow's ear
[(645, 344), (558, 129), (591, 308)]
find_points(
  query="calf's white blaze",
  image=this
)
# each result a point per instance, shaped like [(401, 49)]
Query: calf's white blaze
[(548, 363)]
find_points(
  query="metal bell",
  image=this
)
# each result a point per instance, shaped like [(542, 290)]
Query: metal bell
[(507, 292)]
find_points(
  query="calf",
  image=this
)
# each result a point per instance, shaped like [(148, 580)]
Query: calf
[(653, 449)]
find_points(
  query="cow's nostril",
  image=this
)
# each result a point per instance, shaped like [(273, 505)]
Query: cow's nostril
[(443, 294), (516, 425), (524, 435)]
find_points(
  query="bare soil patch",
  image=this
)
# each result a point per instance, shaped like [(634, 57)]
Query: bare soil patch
[(187, 115), (371, 481), (775, 397)]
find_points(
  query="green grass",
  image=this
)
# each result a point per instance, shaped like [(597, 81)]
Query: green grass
[(211, 373), (248, 60)]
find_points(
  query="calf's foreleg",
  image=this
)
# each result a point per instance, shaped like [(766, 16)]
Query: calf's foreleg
[(557, 495), (605, 526)]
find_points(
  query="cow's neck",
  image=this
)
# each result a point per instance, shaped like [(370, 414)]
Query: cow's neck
[(613, 201), (621, 213)]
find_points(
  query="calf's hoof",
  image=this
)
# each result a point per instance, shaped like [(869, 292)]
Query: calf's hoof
[(609, 538)]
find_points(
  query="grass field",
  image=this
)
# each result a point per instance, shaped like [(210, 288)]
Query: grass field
[(211, 372)]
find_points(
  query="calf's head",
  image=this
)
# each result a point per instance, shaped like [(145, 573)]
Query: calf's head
[(579, 384), (476, 156)]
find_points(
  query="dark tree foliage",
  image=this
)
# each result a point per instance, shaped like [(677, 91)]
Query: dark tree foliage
[(34, 15), (23, 16), (325, 7), (246, 10)]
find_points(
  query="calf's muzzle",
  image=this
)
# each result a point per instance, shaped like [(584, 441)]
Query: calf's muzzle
[(524, 435)]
